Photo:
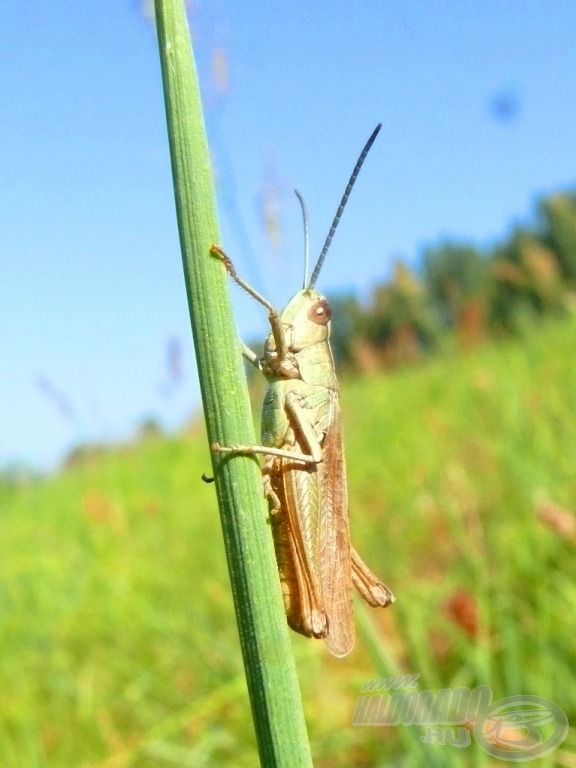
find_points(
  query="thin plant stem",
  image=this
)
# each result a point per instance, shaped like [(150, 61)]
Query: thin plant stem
[(268, 660)]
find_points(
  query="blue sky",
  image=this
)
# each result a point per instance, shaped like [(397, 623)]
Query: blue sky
[(91, 284)]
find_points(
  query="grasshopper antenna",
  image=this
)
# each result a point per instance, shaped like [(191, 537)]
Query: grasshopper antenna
[(345, 196), (306, 243)]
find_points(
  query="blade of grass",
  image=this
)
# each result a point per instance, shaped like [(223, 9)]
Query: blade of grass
[(268, 660)]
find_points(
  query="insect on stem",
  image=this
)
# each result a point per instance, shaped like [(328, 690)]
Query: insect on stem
[(304, 470)]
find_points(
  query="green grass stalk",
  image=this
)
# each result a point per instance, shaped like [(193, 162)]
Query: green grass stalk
[(269, 665)]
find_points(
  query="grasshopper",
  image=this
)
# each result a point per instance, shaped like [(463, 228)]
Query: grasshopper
[(304, 470)]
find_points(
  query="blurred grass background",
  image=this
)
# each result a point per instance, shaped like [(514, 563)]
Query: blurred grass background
[(119, 644)]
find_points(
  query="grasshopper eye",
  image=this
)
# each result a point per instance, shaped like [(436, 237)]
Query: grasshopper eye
[(320, 312)]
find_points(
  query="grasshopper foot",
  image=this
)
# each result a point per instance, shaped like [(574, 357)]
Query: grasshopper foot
[(218, 253)]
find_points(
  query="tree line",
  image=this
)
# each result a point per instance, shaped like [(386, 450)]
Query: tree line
[(461, 291)]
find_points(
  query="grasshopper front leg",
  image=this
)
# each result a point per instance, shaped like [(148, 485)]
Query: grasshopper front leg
[(251, 357), (273, 316)]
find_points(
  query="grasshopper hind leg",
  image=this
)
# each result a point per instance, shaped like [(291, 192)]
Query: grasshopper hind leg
[(368, 584)]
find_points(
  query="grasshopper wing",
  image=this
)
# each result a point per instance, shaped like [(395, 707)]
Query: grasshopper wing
[(335, 562)]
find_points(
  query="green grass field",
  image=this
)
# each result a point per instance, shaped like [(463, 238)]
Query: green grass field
[(119, 645)]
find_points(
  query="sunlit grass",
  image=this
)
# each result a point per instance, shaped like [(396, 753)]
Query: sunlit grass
[(119, 645)]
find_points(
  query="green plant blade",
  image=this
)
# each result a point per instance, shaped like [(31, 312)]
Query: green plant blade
[(269, 664)]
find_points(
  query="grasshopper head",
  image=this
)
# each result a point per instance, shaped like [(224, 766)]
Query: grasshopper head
[(301, 327), (306, 319)]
